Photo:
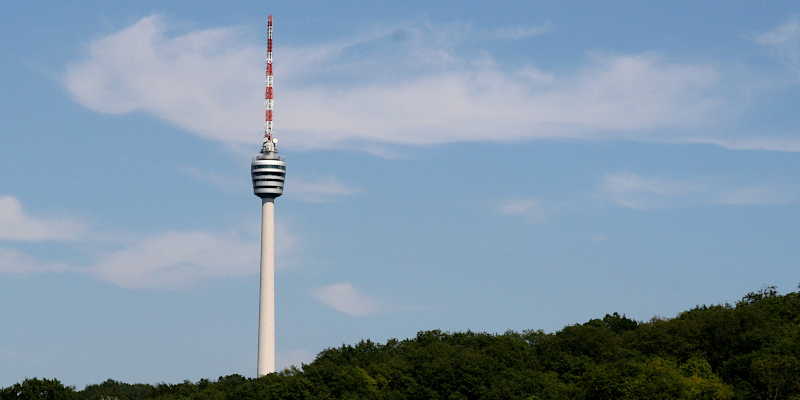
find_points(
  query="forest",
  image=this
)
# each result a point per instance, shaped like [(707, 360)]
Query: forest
[(746, 350)]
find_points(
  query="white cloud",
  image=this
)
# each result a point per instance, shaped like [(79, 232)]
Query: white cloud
[(535, 76), (785, 41), (757, 195), (407, 85), (529, 208), (178, 259), (612, 97), (343, 297), (319, 191), (226, 183), (288, 245), (16, 262), (170, 260), (191, 80), (174, 260), (15, 224), (630, 190), (788, 32), (768, 143), (164, 260)]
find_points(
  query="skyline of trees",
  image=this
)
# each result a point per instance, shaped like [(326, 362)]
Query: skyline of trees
[(746, 350)]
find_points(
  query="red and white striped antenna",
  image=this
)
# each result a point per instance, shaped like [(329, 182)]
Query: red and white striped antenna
[(270, 142)]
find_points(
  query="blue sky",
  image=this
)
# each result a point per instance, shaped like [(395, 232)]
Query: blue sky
[(524, 165)]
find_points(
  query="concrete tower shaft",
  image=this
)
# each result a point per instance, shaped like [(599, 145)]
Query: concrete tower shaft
[(266, 301), (268, 171)]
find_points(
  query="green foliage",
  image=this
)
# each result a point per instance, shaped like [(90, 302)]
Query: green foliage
[(750, 350), (38, 389)]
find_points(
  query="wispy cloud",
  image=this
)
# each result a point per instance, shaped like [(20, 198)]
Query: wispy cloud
[(16, 224), (202, 81), (343, 297), (223, 182), (784, 39), (522, 32), (142, 69), (757, 195), (320, 191), (773, 143), (168, 260), (162, 260), (529, 208), (178, 259), (788, 32), (16, 262), (631, 190)]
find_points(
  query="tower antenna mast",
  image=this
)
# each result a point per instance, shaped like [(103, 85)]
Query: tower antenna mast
[(270, 142)]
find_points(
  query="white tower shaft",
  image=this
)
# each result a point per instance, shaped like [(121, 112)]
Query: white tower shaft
[(266, 309), (268, 171)]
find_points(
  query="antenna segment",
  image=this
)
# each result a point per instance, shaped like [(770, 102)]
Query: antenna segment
[(270, 143)]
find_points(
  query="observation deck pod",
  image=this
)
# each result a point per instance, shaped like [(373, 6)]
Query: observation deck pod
[(269, 172)]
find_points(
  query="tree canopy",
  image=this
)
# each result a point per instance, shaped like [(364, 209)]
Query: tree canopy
[(747, 350)]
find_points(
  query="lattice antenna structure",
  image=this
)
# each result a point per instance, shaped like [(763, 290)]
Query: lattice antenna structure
[(270, 143)]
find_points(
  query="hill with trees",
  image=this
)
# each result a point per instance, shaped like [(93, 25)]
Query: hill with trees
[(747, 350)]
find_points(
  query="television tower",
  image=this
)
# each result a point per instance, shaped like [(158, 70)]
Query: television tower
[(268, 171)]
